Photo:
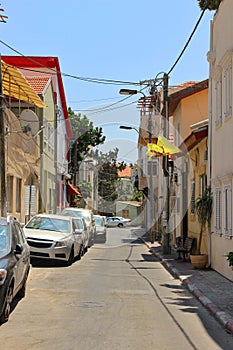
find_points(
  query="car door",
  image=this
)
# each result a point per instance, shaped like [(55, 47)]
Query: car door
[(22, 253), (77, 236)]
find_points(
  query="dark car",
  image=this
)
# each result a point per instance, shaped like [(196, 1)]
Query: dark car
[(14, 264)]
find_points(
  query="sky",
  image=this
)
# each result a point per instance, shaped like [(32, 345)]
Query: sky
[(123, 40)]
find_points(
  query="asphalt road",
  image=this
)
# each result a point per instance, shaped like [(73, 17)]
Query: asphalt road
[(118, 297)]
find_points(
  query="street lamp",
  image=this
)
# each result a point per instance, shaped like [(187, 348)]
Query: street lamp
[(131, 92), (150, 213)]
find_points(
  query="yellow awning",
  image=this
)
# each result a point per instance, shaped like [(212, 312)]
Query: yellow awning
[(162, 148), (15, 85)]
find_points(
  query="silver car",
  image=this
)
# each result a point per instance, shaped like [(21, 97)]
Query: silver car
[(88, 216), (52, 236), (82, 226), (117, 221), (101, 232)]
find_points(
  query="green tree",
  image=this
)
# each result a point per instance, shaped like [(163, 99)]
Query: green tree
[(107, 166), (209, 4), (85, 136)]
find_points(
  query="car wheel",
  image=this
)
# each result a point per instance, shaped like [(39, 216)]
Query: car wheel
[(71, 257), (7, 307), (120, 225), (80, 254), (22, 291)]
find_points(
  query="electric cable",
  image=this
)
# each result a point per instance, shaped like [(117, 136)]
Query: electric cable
[(87, 79), (189, 39)]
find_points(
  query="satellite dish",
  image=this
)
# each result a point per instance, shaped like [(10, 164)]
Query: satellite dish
[(29, 122)]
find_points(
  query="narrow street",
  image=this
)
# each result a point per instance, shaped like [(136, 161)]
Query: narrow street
[(118, 296)]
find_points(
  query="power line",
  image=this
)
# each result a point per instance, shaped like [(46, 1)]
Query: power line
[(189, 39), (87, 79)]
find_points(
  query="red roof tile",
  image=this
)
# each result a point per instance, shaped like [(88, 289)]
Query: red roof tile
[(38, 83), (125, 173)]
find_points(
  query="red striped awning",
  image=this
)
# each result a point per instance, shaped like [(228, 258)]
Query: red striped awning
[(73, 190)]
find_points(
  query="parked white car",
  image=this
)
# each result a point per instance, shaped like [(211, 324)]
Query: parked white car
[(88, 216), (117, 221), (101, 231), (52, 236), (82, 226)]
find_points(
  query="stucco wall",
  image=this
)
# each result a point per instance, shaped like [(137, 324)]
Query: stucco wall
[(221, 142)]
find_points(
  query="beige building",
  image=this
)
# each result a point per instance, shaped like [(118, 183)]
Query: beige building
[(188, 106), (220, 59), (57, 132), (195, 148), (43, 87), (21, 146)]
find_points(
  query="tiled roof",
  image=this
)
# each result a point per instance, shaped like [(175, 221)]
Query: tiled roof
[(125, 173), (38, 83), (184, 90), (51, 66)]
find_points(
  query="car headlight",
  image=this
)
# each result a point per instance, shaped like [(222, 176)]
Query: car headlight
[(63, 243), (3, 274)]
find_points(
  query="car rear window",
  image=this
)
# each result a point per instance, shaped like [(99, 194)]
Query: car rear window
[(4, 240), (79, 213)]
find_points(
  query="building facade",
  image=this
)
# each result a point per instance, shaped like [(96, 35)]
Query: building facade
[(220, 59), (57, 129)]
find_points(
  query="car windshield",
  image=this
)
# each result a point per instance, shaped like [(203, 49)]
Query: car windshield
[(4, 240), (99, 222), (80, 213), (49, 224), (79, 223)]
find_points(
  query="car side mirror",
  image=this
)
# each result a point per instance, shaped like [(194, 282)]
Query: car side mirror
[(18, 249), (77, 231)]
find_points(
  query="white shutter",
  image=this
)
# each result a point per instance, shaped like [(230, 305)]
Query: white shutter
[(218, 211), (29, 190), (228, 205)]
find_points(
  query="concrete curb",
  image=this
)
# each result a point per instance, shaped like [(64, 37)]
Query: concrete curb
[(221, 316)]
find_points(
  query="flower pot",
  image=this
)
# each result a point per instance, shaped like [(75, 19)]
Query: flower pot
[(199, 261)]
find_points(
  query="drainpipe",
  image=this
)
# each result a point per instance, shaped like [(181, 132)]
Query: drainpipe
[(210, 59), (2, 150)]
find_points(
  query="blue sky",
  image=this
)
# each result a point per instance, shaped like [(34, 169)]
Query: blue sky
[(126, 40)]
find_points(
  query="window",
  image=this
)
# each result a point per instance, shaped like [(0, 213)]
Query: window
[(203, 182), (193, 197), (227, 91), (10, 193), (227, 211), (218, 210), (218, 120), (125, 213), (152, 167), (18, 195)]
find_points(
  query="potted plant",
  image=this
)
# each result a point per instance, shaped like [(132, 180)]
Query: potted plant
[(203, 209), (229, 257)]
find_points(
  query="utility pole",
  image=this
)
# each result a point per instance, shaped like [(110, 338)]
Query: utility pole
[(2, 138), (151, 190), (166, 240), (2, 149)]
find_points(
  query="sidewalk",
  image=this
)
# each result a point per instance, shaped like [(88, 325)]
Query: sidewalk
[(213, 290)]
